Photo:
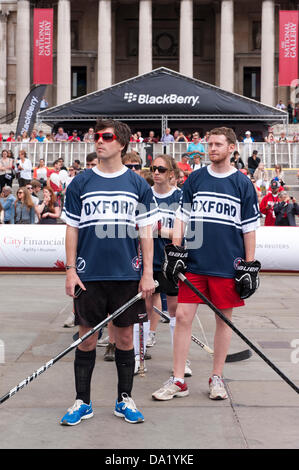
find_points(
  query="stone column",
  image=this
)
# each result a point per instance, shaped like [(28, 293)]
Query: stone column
[(227, 45), (186, 38), (63, 52), (145, 62), (3, 62), (104, 45), (22, 53), (268, 52)]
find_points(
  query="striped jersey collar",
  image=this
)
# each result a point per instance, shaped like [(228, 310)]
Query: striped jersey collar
[(110, 175), (221, 175)]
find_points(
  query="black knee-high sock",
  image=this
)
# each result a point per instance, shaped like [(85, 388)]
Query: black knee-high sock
[(125, 364), (83, 366)]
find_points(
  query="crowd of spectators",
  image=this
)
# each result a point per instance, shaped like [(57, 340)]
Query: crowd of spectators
[(138, 137), (60, 136), (41, 192)]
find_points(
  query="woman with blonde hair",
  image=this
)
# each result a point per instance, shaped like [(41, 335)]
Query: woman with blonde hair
[(262, 179), (167, 197), (24, 207)]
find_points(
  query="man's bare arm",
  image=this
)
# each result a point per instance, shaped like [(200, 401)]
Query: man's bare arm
[(178, 232), (147, 285), (249, 243), (72, 278)]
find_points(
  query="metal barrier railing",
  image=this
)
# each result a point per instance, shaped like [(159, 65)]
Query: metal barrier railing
[(285, 154)]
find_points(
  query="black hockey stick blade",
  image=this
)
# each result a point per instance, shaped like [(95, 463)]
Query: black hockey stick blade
[(234, 357), (239, 356)]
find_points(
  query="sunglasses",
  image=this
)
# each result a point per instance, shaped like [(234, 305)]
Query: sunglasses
[(132, 166), (161, 169), (106, 136), (20, 192)]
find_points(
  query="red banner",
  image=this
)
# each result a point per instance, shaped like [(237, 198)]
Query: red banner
[(288, 47), (43, 46)]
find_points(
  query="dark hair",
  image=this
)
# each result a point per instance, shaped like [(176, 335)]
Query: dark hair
[(227, 132), (121, 130), (91, 156)]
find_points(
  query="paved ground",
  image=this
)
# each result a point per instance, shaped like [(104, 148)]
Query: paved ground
[(262, 411)]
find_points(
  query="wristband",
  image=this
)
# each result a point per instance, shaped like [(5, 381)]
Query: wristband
[(70, 266)]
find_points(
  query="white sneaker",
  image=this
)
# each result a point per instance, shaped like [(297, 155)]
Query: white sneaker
[(137, 365), (151, 340), (217, 388), (70, 321), (188, 371), (103, 342), (170, 390)]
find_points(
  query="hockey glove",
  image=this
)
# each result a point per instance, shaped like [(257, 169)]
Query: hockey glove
[(247, 278), (174, 262)]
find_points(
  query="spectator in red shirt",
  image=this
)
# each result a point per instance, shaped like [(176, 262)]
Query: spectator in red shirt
[(268, 201), (151, 139), (74, 137), (11, 137), (184, 165)]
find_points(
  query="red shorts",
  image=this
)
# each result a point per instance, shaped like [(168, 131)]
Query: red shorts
[(219, 290)]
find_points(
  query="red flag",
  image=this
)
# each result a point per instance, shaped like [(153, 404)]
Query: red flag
[(43, 46), (288, 47)]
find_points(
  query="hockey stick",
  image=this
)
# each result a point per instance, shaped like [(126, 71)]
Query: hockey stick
[(141, 350), (50, 363), (238, 356), (237, 331)]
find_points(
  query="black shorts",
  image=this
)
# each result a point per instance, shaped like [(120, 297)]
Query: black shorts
[(102, 298), (165, 286)]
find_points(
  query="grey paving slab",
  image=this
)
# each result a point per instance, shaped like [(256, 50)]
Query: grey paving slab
[(279, 428), (262, 411)]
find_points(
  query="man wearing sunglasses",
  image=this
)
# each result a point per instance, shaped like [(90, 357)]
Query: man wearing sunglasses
[(104, 206), (132, 161)]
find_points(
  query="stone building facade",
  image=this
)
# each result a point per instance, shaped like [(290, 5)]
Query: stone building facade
[(229, 43)]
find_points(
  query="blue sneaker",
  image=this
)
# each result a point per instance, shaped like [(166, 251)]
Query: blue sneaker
[(78, 411), (127, 409)]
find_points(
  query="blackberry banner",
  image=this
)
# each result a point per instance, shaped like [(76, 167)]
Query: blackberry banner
[(29, 109)]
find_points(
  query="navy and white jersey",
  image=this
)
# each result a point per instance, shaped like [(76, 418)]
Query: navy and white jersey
[(218, 209), (106, 208), (168, 204)]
